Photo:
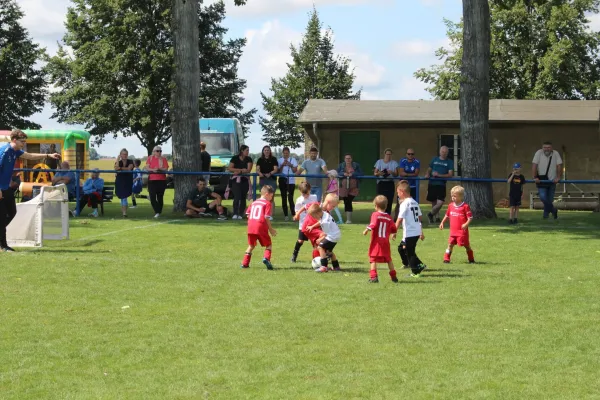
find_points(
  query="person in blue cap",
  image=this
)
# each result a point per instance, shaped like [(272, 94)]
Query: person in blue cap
[(516, 181)]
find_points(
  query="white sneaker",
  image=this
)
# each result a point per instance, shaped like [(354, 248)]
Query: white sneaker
[(94, 215), (133, 207), (287, 219), (270, 218), (156, 215), (348, 221), (235, 217)]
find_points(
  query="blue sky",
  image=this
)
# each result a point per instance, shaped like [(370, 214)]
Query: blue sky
[(387, 40)]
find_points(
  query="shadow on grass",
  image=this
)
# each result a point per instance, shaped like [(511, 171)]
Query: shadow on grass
[(43, 250), (417, 281), (446, 276)]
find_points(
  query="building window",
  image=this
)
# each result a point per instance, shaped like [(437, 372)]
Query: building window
[(453, 144)]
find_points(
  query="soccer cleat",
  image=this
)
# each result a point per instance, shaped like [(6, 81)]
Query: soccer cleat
[(422, 267), (411, 275), (395, 279), (268, 264), (430, 216), (446, 261), (472, 262), (287, 218), (374, 280), (321, 269), (337, 269), (221, 217), (245, 266), (8, 249), (156, 215), (133, 207), (293, 259), (405, 266)]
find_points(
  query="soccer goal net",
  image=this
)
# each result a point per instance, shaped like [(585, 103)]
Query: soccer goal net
[(44, 217)]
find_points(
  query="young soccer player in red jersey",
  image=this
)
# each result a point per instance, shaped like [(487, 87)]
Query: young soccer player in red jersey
[(259, 226), (382, 226), (302, 202), (460, 217), (329, 238)]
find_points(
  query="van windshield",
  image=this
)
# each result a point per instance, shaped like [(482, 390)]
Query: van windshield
[(218, 143)]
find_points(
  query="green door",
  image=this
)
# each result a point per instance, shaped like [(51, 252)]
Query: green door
[(364, 148)]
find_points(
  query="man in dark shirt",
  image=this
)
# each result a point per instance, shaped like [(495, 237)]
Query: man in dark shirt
[(198, 205), (206, 160)]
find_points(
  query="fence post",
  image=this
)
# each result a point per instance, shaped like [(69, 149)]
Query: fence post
[(418, 190), (253, 187), (77, 193)]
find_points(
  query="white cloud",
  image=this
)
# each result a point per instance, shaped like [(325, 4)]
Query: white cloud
[(266, 8), (594, 23), (417, 48)]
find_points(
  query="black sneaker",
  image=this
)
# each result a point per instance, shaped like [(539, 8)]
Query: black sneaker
[(293, 259), (472, 262), (374, 280), (395, 279), (516, 221), (422, 268), (8, 249), (430, 216), (510, 222), (446, 262), (438, 220)]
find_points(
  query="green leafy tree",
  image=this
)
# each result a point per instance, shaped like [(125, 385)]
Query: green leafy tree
[(540, 49), (115, 69), (95, 156), (22, 83), (314, 73)]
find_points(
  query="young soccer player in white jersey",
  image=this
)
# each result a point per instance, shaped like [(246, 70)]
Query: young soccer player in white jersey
[(329, 238), (302, 202), (410, 219)]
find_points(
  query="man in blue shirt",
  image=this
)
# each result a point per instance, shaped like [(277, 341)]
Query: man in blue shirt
[(9, 153), (408, 167), (92, 194), (439, 167), (66, 177)]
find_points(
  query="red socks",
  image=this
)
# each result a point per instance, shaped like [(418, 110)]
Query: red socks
[(268, 254), (316, 253), (470, 255), (447, 256), (393, 274), (373, 273), (246, 260)]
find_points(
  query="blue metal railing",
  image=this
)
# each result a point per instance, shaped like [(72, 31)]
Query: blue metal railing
[(255, 175)]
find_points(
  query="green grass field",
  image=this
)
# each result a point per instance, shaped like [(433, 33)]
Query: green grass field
[(159, 309)]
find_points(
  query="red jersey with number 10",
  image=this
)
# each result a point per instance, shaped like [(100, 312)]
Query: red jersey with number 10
[(381, 227), (258, 212), (458, 215)]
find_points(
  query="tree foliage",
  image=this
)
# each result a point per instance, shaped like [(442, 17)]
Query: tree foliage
[(116, 63), (540, 49), (22, 82), (314, 73)]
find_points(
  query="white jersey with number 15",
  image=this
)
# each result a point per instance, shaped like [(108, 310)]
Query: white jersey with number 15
[(410, 213)]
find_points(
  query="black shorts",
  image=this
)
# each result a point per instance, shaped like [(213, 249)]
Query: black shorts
[(327, 245), (515, 201), (302, 236), (435, 193)]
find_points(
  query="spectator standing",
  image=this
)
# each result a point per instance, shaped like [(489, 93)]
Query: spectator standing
[(124, 180), (240, 164), (439, 167), (288, 166), (386, 169), (266, 166), (137, 182), (348, 170), (206, 160), (547, 166), (314, 166), (157, 165)]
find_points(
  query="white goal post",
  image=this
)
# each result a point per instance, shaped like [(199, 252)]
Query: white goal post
[(45, 217)]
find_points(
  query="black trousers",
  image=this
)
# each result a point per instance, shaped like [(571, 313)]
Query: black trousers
[(92, 198), (240, 192), (287, 196), (387, 188), (348, 203), (156, 189), (8, 210), (408, 253)]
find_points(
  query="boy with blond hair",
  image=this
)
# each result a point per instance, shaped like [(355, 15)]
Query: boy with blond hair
[(409, 216), (331, 233), (259, 227), (381, 227), (460, 216)]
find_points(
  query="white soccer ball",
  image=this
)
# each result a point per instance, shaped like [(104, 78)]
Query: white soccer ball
[(316, 263)]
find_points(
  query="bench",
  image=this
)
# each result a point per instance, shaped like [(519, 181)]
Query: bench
[(107, 195), (581, 201)]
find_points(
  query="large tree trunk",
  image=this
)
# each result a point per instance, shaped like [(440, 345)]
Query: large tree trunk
[(474, 107), (184, 110)]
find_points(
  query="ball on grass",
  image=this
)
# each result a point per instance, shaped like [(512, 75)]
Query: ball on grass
[(316, 263)]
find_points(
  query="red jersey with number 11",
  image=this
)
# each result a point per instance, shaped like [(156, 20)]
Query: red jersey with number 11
[(258, 212), (381, 227), (459, 215)]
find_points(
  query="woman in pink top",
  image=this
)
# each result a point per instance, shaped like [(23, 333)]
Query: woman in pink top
[(157, 180)]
